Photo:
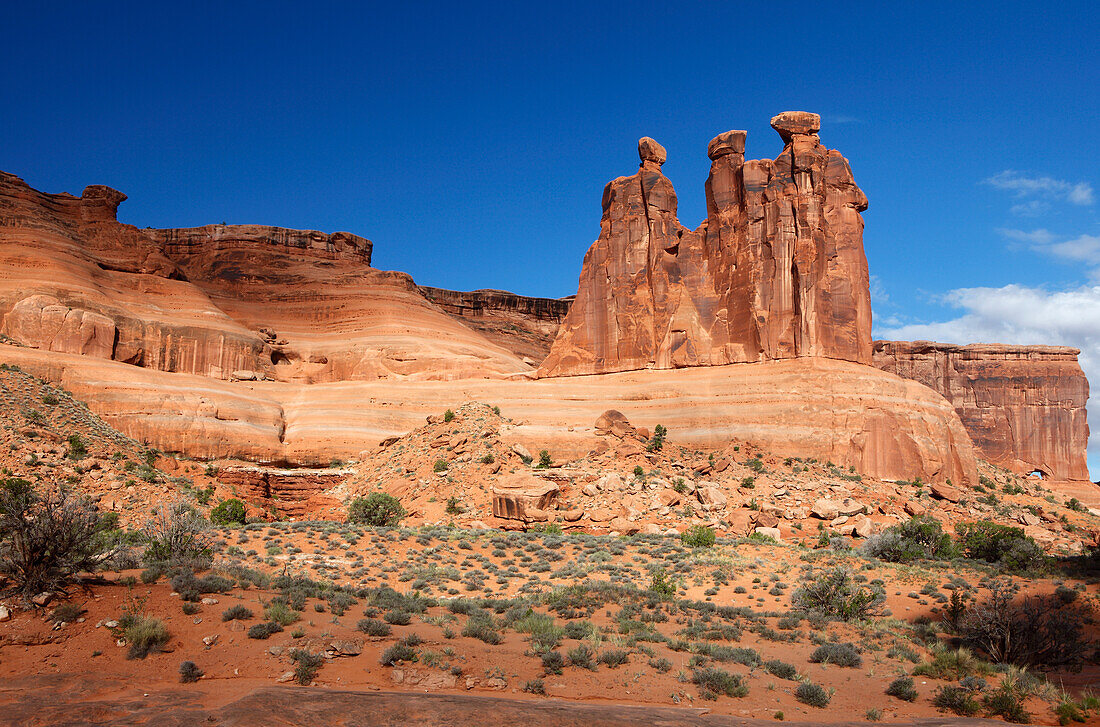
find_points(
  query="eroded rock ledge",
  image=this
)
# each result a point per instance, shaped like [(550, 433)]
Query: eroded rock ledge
[(1023, 406)]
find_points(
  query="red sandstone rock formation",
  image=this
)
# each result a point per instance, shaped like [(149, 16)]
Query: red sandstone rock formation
[(777, 270), (285, 304), (525, 326), (1023, 406)]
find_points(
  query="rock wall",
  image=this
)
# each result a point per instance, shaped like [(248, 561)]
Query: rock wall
[(776, 271), (1023, 406), (523, 325), (285, 304)]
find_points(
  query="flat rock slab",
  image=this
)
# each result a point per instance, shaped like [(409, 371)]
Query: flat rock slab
[(41, 703)]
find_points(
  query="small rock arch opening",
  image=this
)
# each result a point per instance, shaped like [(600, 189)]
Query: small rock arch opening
[(1037, 474)]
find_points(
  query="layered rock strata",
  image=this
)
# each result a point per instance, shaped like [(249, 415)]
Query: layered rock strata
[(286, 304), (777, 270), (1023, 406), (523, 325)]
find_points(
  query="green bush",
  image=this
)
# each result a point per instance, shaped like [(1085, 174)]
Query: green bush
[(264, 630), (448, 416), (903, 689), (144, 635), (482, 629), (1006, 702), (544, 459), (582, 657), (398, 653), (552, 662), (812, 694), (237, 613), (78, 448), (453, 506), (657, 441), (921, 538), (639, 471), (834, 595), (661, 584), (397, 617), (1001, 544), (440, 465), (378, 509), (178, 535), (228, 512), (713, 682), (698, 536), (781, 669), (613, 657), (956, 699), (308, 665), (839, 654), (374, 627)]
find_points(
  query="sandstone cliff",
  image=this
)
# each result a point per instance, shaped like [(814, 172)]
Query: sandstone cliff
[(776, 271), (1023, 406), (523, 325), (214, 300)]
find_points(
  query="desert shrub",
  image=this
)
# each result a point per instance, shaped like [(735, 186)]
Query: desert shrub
[(440, 465), (78, 448), (903, 689), (835, 595), (812, 694), (488, 458), (1034, 630), (919, 538), (839, 654), (582, 657), (698, 536), (544, 459), (781, 669), (956, 699), (191, 587), (397, 617), (639, 471), (144, 635), (189, 672), (612, 657), (534, 686), (1007, 546), (552, 662), (374, 627), (67, 612), (178, 535), (713, 682), (47, 539), (657, 441), (398, 653), (280, 613), (482, 629), (307, 665), (237, 613), (377, 508), (1006, 702), (453, 506), (661, 584), (661, 664), (448, 416), (228, 512), (948, 663), (264, 630)]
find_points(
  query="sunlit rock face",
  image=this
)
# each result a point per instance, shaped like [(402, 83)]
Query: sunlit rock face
[(777, 270)]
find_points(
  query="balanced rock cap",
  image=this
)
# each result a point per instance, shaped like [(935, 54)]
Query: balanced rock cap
[(730, 142), (650, 151), (790, 123)]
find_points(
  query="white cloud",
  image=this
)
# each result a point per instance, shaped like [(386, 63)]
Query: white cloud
[(1038, 189), (1035, 237), (1021, 315), (1031, 208), (878, 291)]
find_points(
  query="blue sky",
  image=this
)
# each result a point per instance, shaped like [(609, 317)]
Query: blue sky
[(471, 142)]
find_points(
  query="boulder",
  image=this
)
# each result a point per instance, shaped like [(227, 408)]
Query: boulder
[(623, 526), (770, 532), (945, 492), (710, 496), (650, 151), (517, 494)]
